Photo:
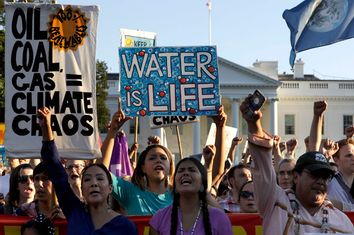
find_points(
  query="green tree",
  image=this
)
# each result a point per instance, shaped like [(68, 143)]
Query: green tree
[(101, 94)]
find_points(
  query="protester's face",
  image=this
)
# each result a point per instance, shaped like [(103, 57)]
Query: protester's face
[(311, 188), (240, 177), (285, 175), (346, 159), (157, 164), (74, 169), (13, 162), (247, 203), (25, 183), (43, 186), (188, 178), (24, 160), (95, 186)]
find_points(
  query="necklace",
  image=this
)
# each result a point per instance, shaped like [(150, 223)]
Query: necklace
[(194, 225)]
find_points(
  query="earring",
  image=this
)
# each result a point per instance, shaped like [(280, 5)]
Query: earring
[(201, 189)]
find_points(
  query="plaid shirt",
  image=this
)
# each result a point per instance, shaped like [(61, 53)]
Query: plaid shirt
[(229, 204)]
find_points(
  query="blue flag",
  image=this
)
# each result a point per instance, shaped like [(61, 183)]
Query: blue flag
[(316, 23)]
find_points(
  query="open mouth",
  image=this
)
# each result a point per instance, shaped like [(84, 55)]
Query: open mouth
[(186, 181), (74, 177), (158, 168)]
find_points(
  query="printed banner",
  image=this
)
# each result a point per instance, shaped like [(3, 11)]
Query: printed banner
[(50, 61), (163, 81), (161, 121), (242, 224)]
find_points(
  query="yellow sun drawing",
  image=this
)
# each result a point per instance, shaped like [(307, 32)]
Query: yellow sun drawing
[(67, 28)]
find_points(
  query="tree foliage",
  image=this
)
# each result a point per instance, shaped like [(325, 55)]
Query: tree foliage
[(101, 94)]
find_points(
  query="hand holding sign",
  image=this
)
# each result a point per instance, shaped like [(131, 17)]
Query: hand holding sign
[(221, 118), (118, 118)]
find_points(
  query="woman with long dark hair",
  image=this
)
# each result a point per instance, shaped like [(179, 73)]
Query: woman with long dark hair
[(149, 189), (95, 215), (190, 213), (21, 188)]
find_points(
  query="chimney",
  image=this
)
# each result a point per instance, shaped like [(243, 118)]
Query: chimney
[(299, 69), (269, 68)]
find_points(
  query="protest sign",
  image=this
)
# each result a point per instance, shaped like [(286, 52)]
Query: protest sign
[(178, 81), (50, 61), (230, 133), (161, 121), (137, 38)]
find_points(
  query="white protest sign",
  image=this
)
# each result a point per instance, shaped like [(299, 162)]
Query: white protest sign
[(161, 121), (50, 61), (230, 133)]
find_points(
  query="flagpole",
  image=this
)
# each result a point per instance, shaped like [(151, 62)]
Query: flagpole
[(209, 10)]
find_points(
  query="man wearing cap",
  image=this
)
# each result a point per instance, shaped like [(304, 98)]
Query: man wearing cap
[(299, 211)]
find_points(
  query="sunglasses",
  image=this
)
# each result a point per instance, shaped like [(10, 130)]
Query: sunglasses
[(246, 194), (24, 178)]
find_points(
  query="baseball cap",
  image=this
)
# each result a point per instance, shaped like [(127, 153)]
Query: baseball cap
[(313, 161)]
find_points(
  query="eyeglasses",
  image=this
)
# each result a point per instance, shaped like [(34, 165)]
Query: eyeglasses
[(76, 166), (246, 194), (319, 175), (24, 178)]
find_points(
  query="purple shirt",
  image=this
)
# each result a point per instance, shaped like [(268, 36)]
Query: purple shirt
[(219, 222)]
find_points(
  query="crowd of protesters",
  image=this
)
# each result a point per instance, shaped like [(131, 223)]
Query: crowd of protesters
[(293, 194)]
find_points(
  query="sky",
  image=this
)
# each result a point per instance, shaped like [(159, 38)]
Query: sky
[(243, 31)]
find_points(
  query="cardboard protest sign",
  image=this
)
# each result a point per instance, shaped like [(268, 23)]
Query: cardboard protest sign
[(50, 61), (137, 38), (230, 133), (161, 121), (162, 81)]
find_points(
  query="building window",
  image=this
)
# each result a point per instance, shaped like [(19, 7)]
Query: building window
[(289, 124), (347, 121), (132, 126)]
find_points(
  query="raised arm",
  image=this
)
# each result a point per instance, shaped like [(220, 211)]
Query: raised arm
[(349, 132), (235, 141), (117, 122), (260, 146), (209, 154), (220, 155), (56, 172), (290, 148), (316, 128)]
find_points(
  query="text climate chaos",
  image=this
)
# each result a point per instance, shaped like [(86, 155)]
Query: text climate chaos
[(178, 81), (42, 69)]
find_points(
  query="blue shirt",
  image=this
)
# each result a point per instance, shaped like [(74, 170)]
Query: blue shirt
[(78, 217), (136, 201)]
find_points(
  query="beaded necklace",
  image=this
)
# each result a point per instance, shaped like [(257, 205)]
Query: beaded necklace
[(194, 225)]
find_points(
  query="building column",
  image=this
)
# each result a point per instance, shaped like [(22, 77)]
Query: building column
[(274, 116), (235, 105), (234, 111), (196, 138)]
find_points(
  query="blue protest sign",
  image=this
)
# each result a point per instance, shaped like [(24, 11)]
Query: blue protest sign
[(164, 81)]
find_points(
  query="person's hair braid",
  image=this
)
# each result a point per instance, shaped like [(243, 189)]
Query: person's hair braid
[(174, 214), (206, 221)]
